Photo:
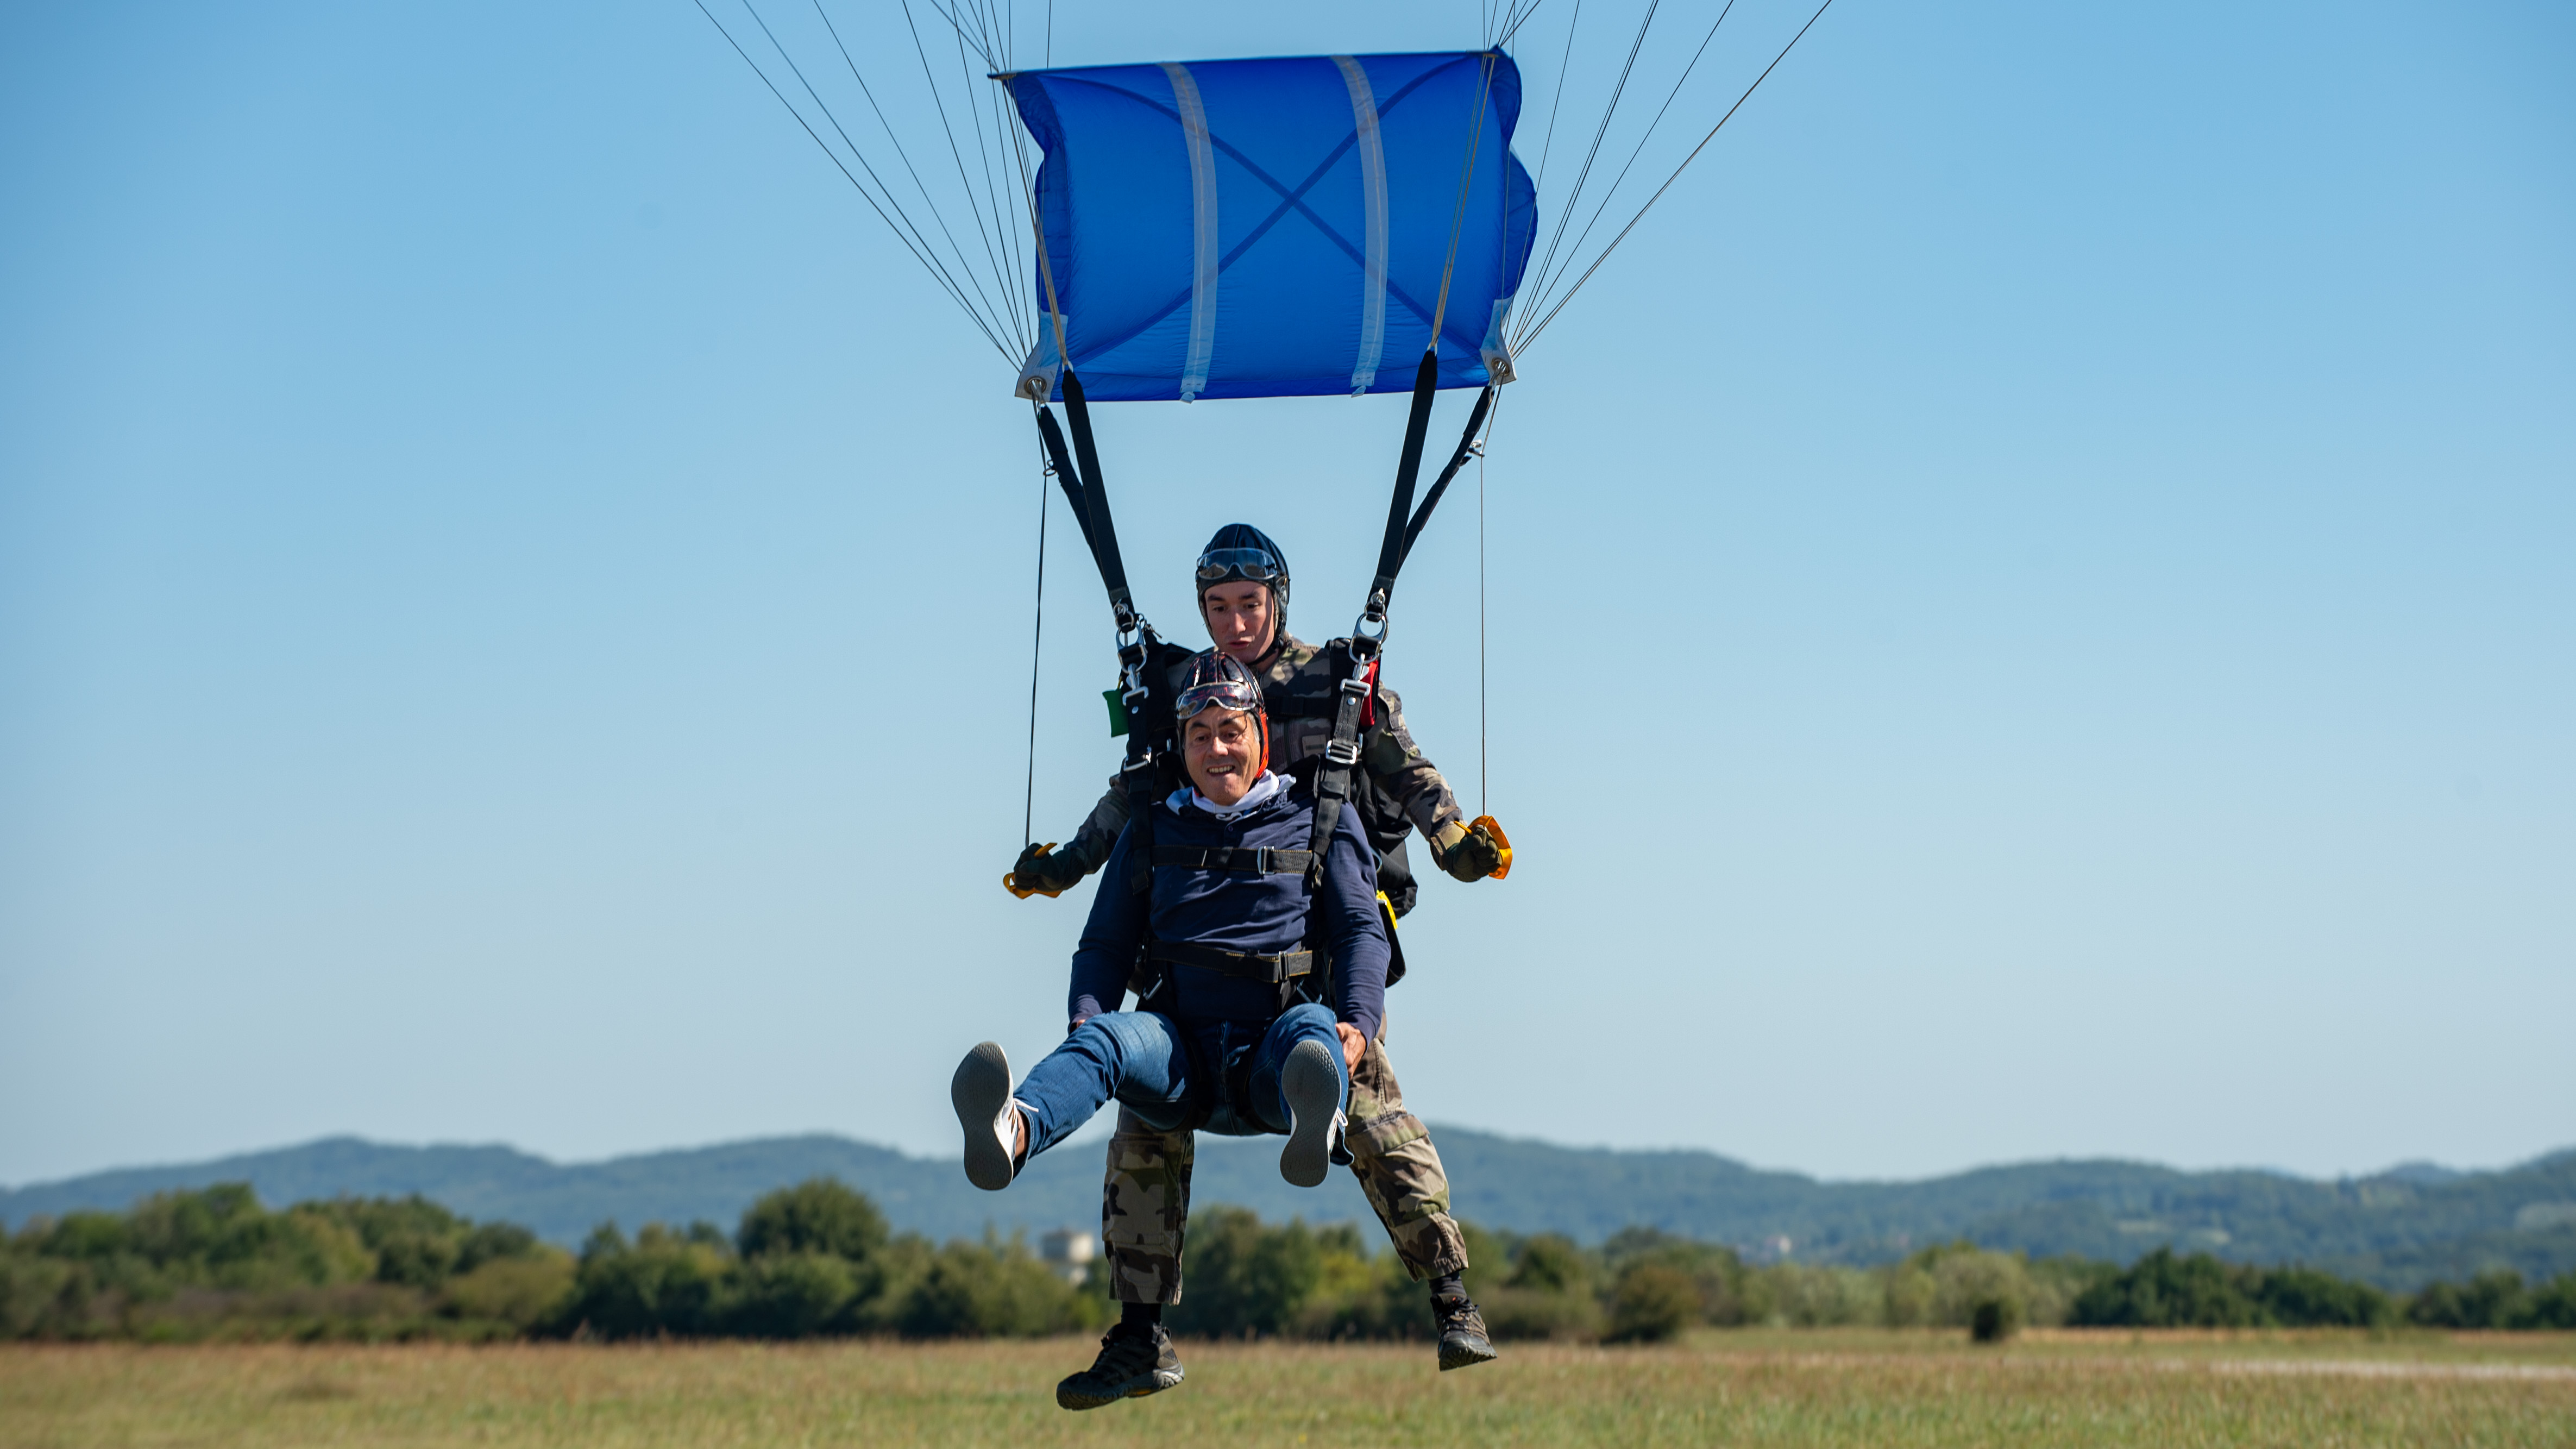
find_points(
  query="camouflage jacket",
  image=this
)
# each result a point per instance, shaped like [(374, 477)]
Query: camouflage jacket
[(1395, 789)]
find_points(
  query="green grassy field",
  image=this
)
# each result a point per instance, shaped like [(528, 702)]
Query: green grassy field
[(1823, 1388)]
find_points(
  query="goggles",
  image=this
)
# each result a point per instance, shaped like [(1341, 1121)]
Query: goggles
[(1233, 694), (1218, 565)]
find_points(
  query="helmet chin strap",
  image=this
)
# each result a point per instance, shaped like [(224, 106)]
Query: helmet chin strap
[(1278, 628)]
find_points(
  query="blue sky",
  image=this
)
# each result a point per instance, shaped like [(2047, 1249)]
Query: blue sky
[(2030, 606)]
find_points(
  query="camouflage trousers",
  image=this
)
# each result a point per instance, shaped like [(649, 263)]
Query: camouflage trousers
[(1145, 1202)]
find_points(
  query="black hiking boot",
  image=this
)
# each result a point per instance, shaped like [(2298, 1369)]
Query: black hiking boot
[(1135, 1360), (1462, 1333)]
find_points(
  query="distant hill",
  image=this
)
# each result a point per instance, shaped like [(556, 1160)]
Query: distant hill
[(2400, 1228)]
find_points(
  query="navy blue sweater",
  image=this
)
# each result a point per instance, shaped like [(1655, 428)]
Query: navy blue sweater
[(1238, 911)]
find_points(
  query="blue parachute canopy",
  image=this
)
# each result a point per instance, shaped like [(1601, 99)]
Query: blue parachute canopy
[(1276, 228)]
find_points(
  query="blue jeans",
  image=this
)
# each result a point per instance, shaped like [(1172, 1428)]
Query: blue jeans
[(1215, 1076)]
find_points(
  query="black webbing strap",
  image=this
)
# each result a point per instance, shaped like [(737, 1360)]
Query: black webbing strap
[(1061, 463), (1341, 753), (1102, 529), (1139, 778), (1280, 705), (1235, 859), (1457, 460), (1333, 780), (1146, 696), (1246, 965), (1408, 468), (1079, 475)]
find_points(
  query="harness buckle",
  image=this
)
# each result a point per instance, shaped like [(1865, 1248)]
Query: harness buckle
[(1344, 753)]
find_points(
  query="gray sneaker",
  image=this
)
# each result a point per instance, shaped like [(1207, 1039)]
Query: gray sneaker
[(1463, 1341), (1312, 1082), (1134, 1361), (981, 1093)]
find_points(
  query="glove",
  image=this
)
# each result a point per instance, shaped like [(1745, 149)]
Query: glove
[(1039, 874), (1469, 854)]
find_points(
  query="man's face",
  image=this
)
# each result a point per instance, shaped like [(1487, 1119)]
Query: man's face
[(1223, 753), (1238, 618)]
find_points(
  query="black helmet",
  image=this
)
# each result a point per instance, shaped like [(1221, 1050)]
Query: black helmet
[(1218, 680), (1241, 551)]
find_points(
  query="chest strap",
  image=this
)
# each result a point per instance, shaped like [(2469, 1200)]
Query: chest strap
[(1283, 705), (1247, 965), (1243, 859)]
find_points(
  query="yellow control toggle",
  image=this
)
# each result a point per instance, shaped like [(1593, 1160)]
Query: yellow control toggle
[(1502, 844), (1011, 881)]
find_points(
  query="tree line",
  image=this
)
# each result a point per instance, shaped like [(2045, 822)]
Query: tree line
[(818, 1259)]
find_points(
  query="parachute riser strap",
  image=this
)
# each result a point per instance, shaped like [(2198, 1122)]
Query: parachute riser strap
[(1147, 724), (1399, 509), (1060, 463), (1468, 447), (1103, 530)]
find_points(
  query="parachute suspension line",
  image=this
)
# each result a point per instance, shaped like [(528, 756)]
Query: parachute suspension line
[(1037, 228), (1007, 266), (1540, 301), (990, 28), (945, 126), (1037, 636), (1001, 313), (1484, 758), (888, 211), (1004, 132), (1532, 334), (1458, 213), (1401, 524), (995, 312), (1515, 15), (1512, 27), (981, 45), (1565, 212), (1556, 105)]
